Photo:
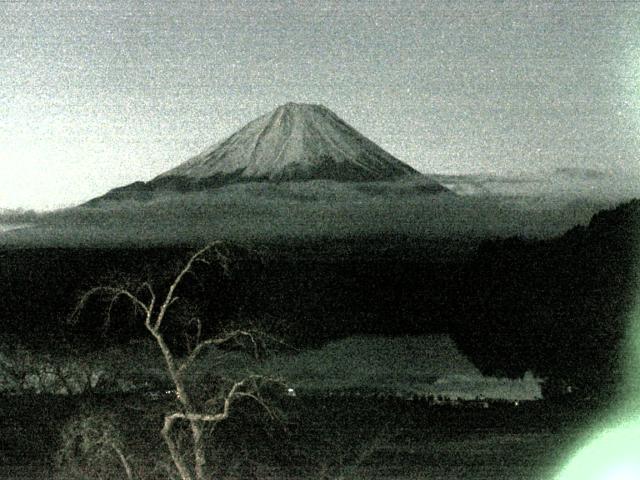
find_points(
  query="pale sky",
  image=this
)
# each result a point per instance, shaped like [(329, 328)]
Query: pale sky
[(95, 95)]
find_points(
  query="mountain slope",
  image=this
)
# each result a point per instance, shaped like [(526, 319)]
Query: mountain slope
[(294, 143)]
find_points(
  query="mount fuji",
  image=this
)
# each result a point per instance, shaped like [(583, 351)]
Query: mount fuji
[(294, 143)]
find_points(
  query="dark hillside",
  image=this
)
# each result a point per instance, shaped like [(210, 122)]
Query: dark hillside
[(557, 306), (320, 290)]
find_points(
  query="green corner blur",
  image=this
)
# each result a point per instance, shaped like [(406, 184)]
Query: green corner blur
[(611, 448)]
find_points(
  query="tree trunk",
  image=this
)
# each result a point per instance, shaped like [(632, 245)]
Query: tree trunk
[(124, 461), (198, 449), (178, 461)]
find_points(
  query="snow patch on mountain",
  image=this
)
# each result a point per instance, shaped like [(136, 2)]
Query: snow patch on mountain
[(295, 142)]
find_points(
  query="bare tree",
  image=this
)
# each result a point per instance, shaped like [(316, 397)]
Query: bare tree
[(195, 413)]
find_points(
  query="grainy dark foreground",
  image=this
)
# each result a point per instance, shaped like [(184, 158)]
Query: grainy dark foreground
[(323, 437)]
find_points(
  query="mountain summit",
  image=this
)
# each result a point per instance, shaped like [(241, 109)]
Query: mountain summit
[(295, 142)]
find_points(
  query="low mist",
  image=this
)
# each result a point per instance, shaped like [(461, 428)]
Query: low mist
[(304, 210)]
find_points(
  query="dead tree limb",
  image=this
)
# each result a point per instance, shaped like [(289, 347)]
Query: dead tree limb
[(155, 310)]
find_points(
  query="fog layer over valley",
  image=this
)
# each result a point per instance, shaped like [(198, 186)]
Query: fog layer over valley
[(304, 210), (301, 172)]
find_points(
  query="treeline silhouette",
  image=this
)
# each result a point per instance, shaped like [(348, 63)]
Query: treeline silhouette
[(556, 307)]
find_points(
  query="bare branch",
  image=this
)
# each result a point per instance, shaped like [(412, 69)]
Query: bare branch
[(107, 322), (216, 417), (169, 299), (236, 391), (114, 293), (191, 412), (231, 336), (149, 288), (174, 451), (260, 402), (199, 330), (193, 340)]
